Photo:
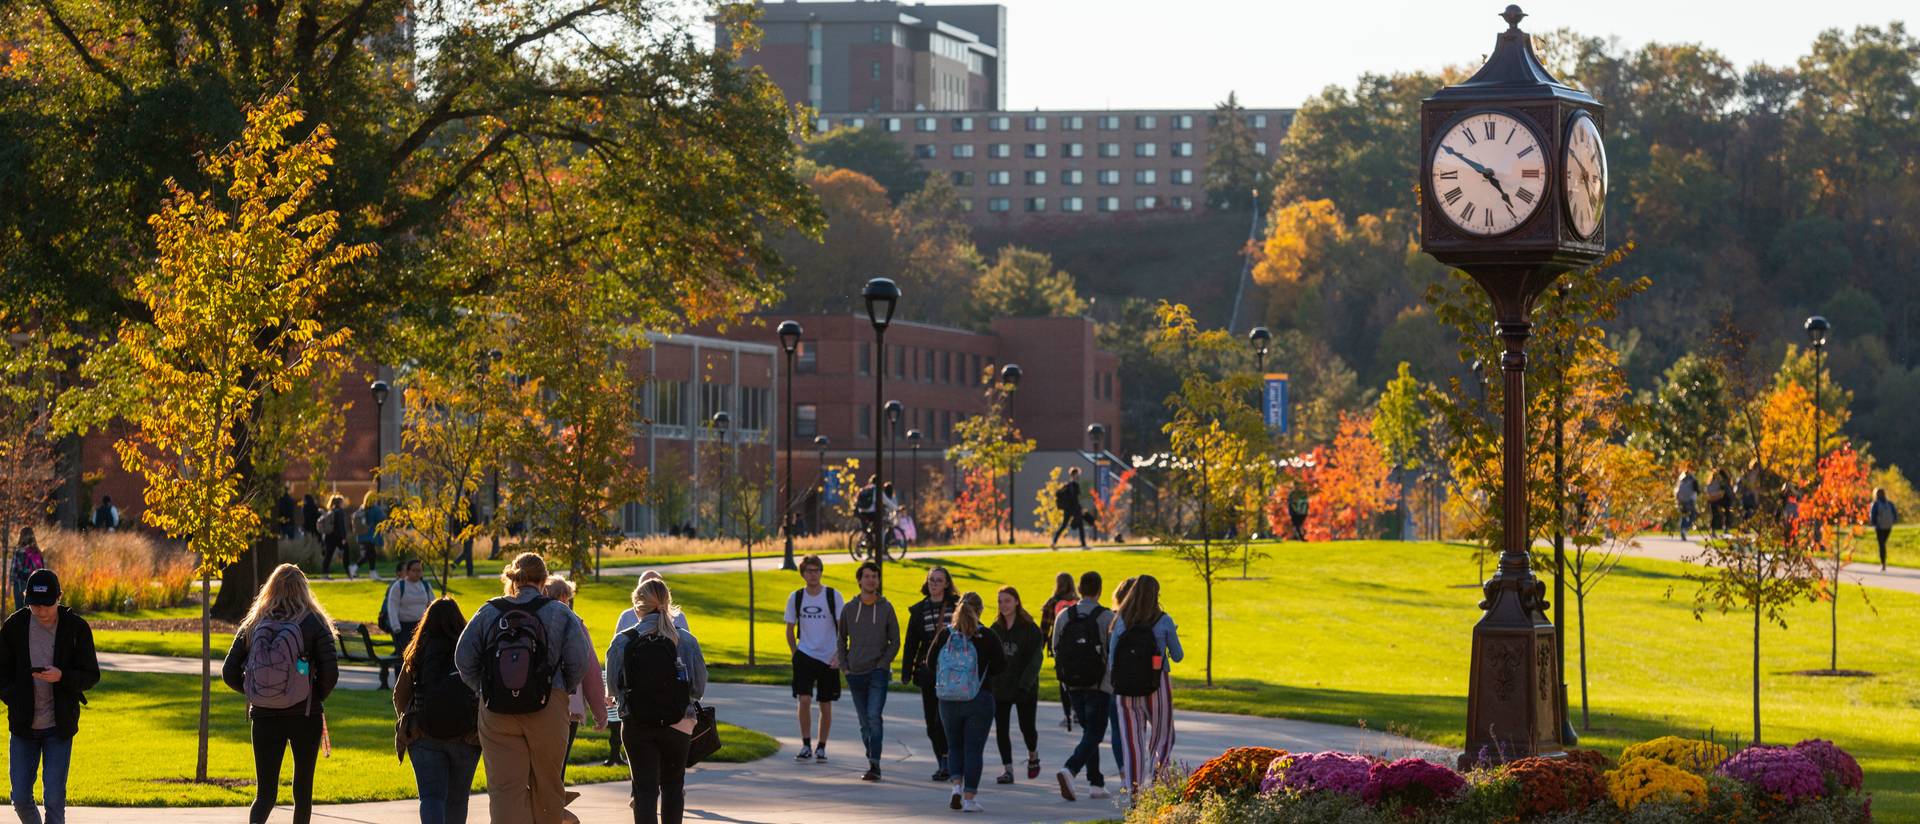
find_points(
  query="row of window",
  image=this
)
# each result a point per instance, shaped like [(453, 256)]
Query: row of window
[(1075, 177), (1074, 203), (1036, 123), (929, 151), (916, 363), (673, 403), (935, 425)]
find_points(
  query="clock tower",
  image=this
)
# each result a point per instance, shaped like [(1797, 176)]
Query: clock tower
[(1513, 192)]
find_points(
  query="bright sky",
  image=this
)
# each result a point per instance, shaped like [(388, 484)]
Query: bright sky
[(1276, 53)]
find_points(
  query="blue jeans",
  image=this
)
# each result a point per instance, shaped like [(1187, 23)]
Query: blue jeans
[(1090, 707), (444, 770), (968, 724), (25, 755), (869, 701)]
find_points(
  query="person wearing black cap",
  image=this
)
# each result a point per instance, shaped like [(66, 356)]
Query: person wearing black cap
[(46, 664)]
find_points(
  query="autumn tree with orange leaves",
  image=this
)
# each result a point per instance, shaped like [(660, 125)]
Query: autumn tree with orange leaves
[(1831, 519), (1352, 483)]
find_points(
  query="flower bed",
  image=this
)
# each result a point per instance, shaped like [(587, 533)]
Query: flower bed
[(1664, 781)]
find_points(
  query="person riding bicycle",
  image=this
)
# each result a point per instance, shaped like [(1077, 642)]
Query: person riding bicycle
[(866, 505)]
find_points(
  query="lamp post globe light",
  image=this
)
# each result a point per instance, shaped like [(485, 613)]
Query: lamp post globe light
[(913, 473), (1514, 183), (894, 411), (1010, 377), (1817, 330), (789, 332), (882, 296), (1261, 340), (1098, 435), (380, 391)]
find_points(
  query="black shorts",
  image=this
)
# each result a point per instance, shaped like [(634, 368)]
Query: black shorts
[(812, 676)]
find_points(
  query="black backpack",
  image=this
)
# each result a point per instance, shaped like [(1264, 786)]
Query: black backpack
[(1079, 659), (443, 705), (654, 692), (1133, 671), (1064, 497), (517, 674)]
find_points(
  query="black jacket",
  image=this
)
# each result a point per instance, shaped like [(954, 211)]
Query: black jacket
[(985, 644), (72, 655), (324, 668), (924, 620), (1024, 646)]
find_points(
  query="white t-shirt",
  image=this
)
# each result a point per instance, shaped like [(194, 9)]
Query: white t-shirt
[(818, 637)]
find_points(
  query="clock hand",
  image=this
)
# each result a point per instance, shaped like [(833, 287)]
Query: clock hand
[(1467, 160), (1488, 173)]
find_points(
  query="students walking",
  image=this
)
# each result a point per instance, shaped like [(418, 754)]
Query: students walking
[(1080, 662), (1686, 497), (660, 675), (406, 602), (630, 617), (26, 560), (1145, 644), (1064, 596), (1299, 506), (869, 641), (310, 516), (813, 636), (589, 700), (334, 526), (47, 664), (1719, 503), (439, 726), (523, 653), (1016, 691), (965, 659), (283, 660), (1884, 516), (1067, 500), (925, 620), (1113, 698), (367, 532)]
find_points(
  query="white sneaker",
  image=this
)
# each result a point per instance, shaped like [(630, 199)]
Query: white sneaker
[(971, 806), (1066, 784), (1097, 792)]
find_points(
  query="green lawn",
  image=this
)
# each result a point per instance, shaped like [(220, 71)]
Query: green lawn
[(1378, 634), (1903, 548), (161, 712)]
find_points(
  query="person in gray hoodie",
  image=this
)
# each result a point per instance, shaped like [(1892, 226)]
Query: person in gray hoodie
[(525, 752), (869, 640)]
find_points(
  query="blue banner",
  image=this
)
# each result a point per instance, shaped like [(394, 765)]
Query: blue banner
[(1273, 403), (833, 489)]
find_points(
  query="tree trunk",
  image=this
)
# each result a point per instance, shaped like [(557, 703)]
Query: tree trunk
[(1833, 653), (206, 674), (1580, 609), (753, 612), (241, 580), (1756, 665), (1209, 630)]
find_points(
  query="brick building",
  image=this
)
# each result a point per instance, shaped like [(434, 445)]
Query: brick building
[(883, 56)]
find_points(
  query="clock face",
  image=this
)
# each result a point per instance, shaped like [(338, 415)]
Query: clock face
[(1586, 170), (1488, 173)]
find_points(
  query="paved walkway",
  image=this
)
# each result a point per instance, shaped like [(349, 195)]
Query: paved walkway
[(777, 790), (771, 561), (1903, 579)]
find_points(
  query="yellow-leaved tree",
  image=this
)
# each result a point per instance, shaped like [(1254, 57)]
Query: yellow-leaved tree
[(233, 299)]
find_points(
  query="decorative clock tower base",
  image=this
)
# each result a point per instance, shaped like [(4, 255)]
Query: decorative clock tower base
[(1513, 699)]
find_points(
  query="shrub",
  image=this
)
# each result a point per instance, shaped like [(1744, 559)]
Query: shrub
[(1237, 771), (1690, 754), (1329, 771), (1782, 773), (1841, 772), (117, 571), (1552, 785), (1641, 780), (1410, 783)]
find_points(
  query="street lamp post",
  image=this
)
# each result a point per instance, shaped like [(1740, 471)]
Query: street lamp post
[(1261, 340), (790, 341), (882, 296), (1817, 329), (1010, 376), (913, 483), (1098, 434), (894, 411), (380, 391), (820, 497), (721, 420)]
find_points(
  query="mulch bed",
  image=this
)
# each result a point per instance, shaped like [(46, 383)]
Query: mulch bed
[(164, 625)]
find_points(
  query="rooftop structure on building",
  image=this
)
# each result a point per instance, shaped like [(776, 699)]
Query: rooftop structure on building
[(880, 55)]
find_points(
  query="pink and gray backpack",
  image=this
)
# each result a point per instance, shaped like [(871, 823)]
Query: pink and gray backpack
[(278, 675)]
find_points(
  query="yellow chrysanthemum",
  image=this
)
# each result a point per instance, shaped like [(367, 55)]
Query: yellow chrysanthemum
[(1640, 780)]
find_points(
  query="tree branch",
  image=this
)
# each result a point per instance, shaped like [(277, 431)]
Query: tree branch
[(80, 50), (447, 190)]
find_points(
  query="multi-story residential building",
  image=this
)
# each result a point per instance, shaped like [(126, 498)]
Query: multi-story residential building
[(1021, 168), (880, 55)]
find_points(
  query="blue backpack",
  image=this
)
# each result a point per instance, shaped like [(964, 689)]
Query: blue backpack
[(958, 676)]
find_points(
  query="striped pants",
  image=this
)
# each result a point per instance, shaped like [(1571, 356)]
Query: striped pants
[(1146, 734)]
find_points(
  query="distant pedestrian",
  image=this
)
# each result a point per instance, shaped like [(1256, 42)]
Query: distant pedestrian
[(1064, 596), (47, 664), (406, 602), (26, 560), (439, 725), (1144, 647), (925, 620), (106, 516), (813, 636), (284, 661), (966, 658), (1080, 662), (869, 641), (1686, 496), (367, 531), (1719, 503), (589, 700), (1016, 691), (660, 675), (310, 516), (1299, 505), (523, 653), (286, 515), (1067, 500), (335, 524), (1747, 489), (1884, 516)]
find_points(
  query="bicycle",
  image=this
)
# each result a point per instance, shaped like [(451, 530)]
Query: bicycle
[(860, 542)]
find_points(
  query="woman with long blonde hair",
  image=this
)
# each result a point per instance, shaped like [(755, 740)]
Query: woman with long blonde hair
[(1141, 652), (283, 659), (656, 736), (966, 656)]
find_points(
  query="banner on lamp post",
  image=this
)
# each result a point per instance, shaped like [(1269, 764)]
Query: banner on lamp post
[(1273, 402)]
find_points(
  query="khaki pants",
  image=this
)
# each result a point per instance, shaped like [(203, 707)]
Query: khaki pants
[(526, 763)]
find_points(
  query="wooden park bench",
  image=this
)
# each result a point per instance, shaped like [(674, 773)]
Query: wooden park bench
[(356, 644)]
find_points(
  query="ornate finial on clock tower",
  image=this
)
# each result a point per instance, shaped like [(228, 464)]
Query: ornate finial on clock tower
[(1513, 15)]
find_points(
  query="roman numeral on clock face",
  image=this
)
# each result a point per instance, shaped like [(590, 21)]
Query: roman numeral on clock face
[(1452, 195), (1450, 174), (1524, 195), (1471, 139), (1530, 174), (1467, 213)]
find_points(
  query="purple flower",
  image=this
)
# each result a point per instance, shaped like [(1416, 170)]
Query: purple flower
[(1834, 763), (1330, 771), (1411, 781), (1781, 772)]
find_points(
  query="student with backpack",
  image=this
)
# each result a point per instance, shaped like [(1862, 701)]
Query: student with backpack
[(590, 698), (1144, 645), (334, 525), (47, 664), (1067, 500), (966, 657), (813, 635), (26, 560), (925, 620), (283, 660), (406, 602), (1017, 688), (869, 640), (659, 674), (366, 522), (1064, 596), (1080, 662), (629, 618), (523, 653), (439, 716), (1113, 699)]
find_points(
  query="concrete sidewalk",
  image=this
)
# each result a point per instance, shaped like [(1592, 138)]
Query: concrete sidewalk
[(1902, 579), (771, 561), (776, 789)]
